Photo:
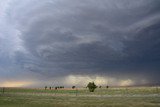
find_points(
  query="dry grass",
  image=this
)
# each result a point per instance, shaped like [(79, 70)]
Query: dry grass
[(113, 97)]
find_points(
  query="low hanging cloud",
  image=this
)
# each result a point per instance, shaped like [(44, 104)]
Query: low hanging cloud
[(58, 38)]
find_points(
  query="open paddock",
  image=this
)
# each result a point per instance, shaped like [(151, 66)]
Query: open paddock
[(81, 97)]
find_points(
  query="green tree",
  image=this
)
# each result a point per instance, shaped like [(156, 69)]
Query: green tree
[(91, 86), (73, 87)]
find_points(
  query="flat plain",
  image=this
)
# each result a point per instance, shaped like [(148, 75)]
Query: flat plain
[(81, 97)]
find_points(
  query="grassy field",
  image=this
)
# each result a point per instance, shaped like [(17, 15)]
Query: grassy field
[(112, 97)]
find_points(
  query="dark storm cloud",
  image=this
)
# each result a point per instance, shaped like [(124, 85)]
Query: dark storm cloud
[(63, 37)]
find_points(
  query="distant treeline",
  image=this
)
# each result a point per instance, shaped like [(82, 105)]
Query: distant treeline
[(91, 86), (57, 87)]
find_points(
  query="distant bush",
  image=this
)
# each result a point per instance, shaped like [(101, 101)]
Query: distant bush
[(50, 88), (91, 86), (45, 87), (73, 87), (107, 86), (56, 88), (59, 87)]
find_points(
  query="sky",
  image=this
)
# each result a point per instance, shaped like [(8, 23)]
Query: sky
[(73, 42)]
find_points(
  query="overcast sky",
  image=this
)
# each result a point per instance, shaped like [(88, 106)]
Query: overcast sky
[(50, 42)]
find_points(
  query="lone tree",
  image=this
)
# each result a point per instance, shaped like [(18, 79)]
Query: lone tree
[(73, 87), (91, 86)]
